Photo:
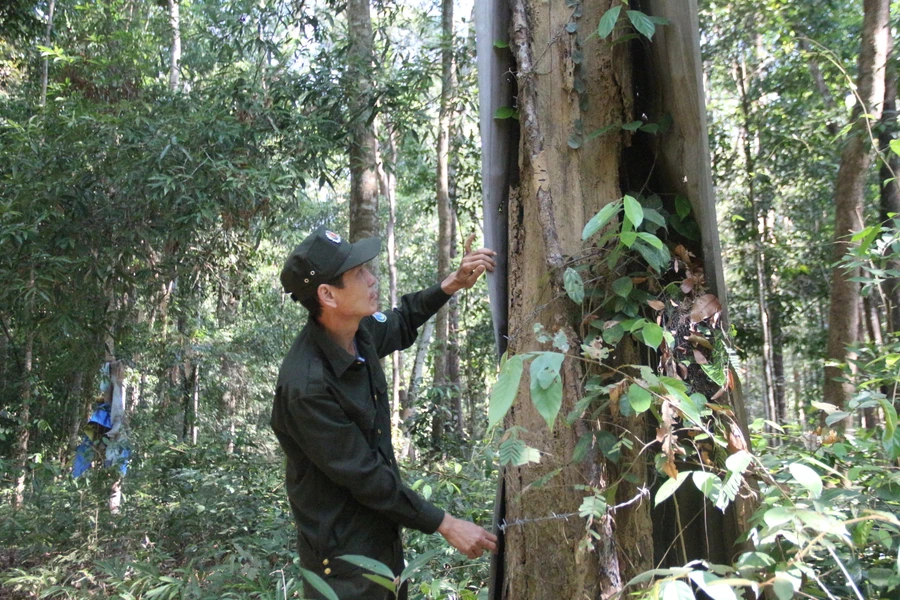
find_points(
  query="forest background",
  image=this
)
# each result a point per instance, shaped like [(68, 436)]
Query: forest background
[(159, 161)]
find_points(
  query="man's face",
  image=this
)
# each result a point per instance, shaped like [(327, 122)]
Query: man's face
[(359, 296)]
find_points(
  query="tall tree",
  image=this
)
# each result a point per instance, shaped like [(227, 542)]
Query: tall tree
[(363, 141), (849, 197), (442, 378), (581, 101)]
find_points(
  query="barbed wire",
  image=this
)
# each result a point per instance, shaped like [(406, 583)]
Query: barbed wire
[(504, 524)]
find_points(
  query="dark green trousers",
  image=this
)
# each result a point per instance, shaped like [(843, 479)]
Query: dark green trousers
[(348, 582)]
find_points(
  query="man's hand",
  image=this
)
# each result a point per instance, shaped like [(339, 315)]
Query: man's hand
[(467, 537), (473, 264)]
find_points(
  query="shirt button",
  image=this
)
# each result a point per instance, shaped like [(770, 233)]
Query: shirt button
[(328, 571), (325, 562)]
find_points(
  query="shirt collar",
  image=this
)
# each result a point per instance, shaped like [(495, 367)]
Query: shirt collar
[(339, 359)]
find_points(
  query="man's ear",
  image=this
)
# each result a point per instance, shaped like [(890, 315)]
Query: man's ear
[(326, 297)]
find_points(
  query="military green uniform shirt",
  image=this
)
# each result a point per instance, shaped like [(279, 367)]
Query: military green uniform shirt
[(332, 417)]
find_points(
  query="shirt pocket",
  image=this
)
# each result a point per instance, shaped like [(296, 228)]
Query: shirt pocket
[(361, 410)]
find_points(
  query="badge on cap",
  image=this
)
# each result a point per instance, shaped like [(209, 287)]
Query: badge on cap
[(333, 237), (379, 316)]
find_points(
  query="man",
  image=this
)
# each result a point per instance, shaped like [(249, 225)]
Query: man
[(332, 416)]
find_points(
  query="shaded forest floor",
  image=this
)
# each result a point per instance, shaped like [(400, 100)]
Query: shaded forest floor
[(200, 523)]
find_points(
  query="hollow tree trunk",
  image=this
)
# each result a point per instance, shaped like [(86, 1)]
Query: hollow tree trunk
[(856, 158), (561, 188)]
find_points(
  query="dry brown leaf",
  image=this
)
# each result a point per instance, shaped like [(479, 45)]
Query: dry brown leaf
[(719, 394), (589, 319), (682, 371), (729, 378), (682, 253), (675, 264), (669, 468), (736, 441), (699, 340), (705, 307), (687, 285), (699, 358), (655, 304), (637, 280), (468, 245)]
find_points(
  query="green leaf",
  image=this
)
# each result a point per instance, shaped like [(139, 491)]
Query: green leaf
[(653, 335), (785, 585), (632, 126), (599, 220), (651, 239), (677, 589), (369, 564), (593, 506), (639, 398), (504, 391), (528, 455), (319, 584), (895, 146), (608, 21), (382, 581), (738, 462), (709, 484), (633, 211), (623, 286), (644, 26), (807, 478), (682, 207), (501, 44), (505, 112), (669, 487), (574, 285), (704, 579), (546, 385)]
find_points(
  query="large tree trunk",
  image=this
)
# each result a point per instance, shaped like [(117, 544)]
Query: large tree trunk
[(562, 186), (856, 158), (363, 142)]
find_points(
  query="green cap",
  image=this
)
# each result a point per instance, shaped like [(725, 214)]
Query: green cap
[(322, 256)]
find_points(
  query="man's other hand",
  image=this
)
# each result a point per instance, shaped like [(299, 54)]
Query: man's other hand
[(474, 263), (467, 537)]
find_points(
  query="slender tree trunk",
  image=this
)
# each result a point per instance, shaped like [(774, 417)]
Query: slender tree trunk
[(819, 79), (76, 416), (26, 396), (195, 404), (388, 188), (779, 396), (175, 52), (408, 410), (750, 144), (445, 220), (856, 158), (45, 73), (363, 142), (890, 186)]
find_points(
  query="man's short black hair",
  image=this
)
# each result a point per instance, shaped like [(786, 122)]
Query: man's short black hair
[(312, 304)]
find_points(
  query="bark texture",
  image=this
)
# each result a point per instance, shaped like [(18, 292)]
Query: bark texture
[(856, 159), (442, 379), (565, 88), (363, 141), (175, 50)]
